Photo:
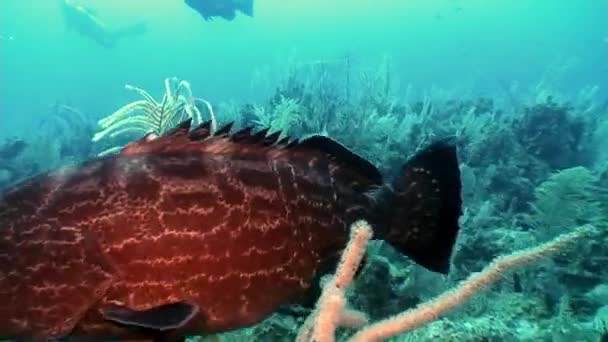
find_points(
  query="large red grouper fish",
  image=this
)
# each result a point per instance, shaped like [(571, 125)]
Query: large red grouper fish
[(194, 233)]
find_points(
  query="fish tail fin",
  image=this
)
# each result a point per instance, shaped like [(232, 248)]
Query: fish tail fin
[(247, 7), (424, 205)]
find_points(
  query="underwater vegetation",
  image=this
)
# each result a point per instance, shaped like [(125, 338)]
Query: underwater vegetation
[(149, 116), (533, 177), (525, 181)]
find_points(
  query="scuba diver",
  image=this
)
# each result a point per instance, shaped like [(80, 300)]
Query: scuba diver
[(85, 21), (221, 8)]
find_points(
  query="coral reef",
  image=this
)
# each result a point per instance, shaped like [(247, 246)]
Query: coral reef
[(552, 134), (531, 170), (60, 138), (533, 166)]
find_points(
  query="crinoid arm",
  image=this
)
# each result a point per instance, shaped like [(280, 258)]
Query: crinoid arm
[(148, 115)]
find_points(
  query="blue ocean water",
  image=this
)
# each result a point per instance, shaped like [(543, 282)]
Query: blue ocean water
[(521, 85), (449, 44)]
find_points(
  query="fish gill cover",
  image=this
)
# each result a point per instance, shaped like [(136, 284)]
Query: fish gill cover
[(513, 92)]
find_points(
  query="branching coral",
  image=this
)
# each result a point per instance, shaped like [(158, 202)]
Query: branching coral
[(151, 116), (550, 127), (284, 116), (331, 311), (566, 198), (64, 118)]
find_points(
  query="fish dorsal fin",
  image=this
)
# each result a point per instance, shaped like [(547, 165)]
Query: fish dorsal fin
[(182, 128), (202, 131), (341, 155), (201, 139), (243, 135), (272, 138), (246, 141), (224, 130)]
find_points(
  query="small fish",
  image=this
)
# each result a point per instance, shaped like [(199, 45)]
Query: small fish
[(192, 233), (226, 9)]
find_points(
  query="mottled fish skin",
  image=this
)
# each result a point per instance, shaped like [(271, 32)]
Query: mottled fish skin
[(236, 225)]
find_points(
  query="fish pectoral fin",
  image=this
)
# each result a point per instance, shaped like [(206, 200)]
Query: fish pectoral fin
[(161, 318)]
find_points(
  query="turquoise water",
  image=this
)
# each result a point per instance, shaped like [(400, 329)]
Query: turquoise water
[(449, 44), (519, 86)]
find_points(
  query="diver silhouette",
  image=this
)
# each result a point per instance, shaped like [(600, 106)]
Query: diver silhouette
[(226, 9), (87, 23)]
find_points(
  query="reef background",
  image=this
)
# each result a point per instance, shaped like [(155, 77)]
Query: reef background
[(520, 86)]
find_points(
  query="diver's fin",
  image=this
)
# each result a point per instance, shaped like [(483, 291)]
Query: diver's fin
[(425, 206), (160, 318), (135, 29), (247, 7)]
